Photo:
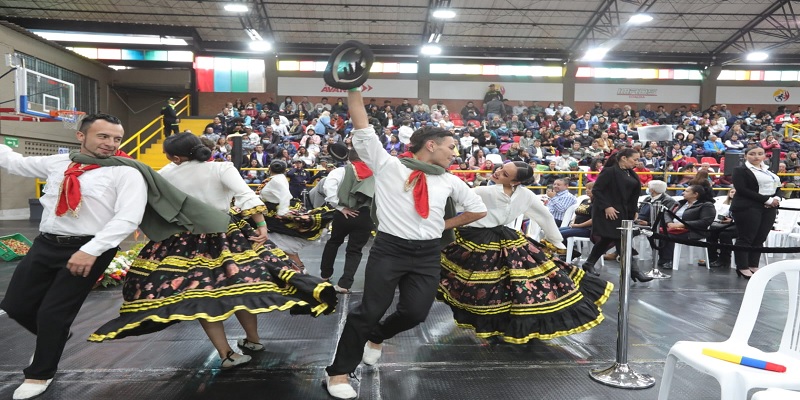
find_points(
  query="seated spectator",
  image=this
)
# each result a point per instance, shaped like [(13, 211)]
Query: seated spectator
[(642, 172), (697, 213), (563, 161), (470, 112), (477, 160), (304, 156), (394, 144), (260, 156), (298, 177), (210, 135), (770, 143), (713, 147), (788, 144), (581, 225), (559, 199), (723, 230), (734, 145), (652, 205), (482, 178), (468, 177), (489, 143), (251, 176)]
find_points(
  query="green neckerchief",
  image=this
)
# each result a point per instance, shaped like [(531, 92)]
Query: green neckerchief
[(169, 210), (448, 236), (353, 193)]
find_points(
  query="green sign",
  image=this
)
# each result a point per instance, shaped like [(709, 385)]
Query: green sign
[(12, 141)]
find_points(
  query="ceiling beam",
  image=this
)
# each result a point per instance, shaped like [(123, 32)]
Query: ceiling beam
[(745, 30)]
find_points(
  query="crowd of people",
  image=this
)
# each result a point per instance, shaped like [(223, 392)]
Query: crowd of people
[(552, 137)]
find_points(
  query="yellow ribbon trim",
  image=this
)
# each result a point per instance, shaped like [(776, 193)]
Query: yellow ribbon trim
[(583, 328)]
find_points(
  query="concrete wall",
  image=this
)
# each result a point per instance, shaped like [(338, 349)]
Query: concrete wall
[(41, 138)]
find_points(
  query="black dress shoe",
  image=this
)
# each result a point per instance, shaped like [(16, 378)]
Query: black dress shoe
[(590, 269), (637, 275), (720, 264)]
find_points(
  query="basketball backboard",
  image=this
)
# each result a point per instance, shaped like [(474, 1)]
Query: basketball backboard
[(42, 95)]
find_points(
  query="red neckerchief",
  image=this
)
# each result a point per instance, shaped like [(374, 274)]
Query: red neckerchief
[(69, 197), (362, 170), (419, 181)]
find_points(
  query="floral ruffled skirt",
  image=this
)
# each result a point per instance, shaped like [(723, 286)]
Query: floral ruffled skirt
[(500, 283), (211, 276), (308, 225)]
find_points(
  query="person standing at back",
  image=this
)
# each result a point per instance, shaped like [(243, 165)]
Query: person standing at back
[(411, 195), (754, 207), (170, 118), (87, 212), (348, 189)]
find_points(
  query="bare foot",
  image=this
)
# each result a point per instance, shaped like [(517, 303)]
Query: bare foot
[(374, 346), (36, 381)]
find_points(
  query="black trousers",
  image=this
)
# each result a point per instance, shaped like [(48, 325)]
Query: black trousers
[(724, 236), (414, 267), (170, 128), (752, 227), (44, 298), (358, 229)]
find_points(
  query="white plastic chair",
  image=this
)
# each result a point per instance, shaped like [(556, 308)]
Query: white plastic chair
[(785, 225), (569, 214), (736, 380), (496, 159), (676, 255)]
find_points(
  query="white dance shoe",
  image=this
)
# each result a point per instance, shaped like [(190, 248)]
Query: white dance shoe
[(371, 356), (340, 390), (30, 390)]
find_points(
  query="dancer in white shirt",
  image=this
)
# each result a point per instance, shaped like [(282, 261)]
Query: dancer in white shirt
[(501, 283), (87, 212), (411, 196), (290, 225), (209, 277)]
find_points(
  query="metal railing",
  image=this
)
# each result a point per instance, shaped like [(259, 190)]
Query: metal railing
[(134, 144)]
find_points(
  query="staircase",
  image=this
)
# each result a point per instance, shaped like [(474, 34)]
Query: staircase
[(154, 155)]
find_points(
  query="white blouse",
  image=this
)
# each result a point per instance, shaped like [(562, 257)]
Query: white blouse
[(503, 209), (276, 191), (213, 183), (767, 181)]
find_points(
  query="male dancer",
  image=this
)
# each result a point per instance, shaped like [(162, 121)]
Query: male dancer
[(349, 189), (410, 196), (82, 225)]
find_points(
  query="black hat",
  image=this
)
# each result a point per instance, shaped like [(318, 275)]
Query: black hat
[(339, 151)]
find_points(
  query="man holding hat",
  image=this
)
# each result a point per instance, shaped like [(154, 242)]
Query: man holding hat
[(170, 119), (349, 189)]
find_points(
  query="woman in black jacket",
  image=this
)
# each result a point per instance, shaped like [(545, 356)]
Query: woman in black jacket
[(754, 208), (616, 193), (697, 212)]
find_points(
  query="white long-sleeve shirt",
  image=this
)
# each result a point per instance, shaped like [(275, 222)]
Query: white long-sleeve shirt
[(503, 209), (276, 191), (396, 212), (331, 187), (213, 183), (112, 199)]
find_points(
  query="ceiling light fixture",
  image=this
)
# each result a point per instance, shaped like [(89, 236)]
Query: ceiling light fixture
[(433, 36), (84, 37), (253, 34), (595, 54), (236, 7), (640, 19), (431, 50), (444, 14), (260, 45), (757, 56)]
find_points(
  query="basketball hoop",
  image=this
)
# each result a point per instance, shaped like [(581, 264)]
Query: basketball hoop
[(70, 118)]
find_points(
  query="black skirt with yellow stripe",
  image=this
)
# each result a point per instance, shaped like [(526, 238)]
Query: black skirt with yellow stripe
[(301, 223), (211, 276), (500, 283)]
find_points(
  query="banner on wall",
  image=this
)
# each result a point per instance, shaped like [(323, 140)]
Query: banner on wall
[(373, 88), (757, 95), (622, 93), (527, 91)]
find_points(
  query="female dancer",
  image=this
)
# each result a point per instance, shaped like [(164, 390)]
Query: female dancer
[(500, 283), (291, 227), (208, 277)]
